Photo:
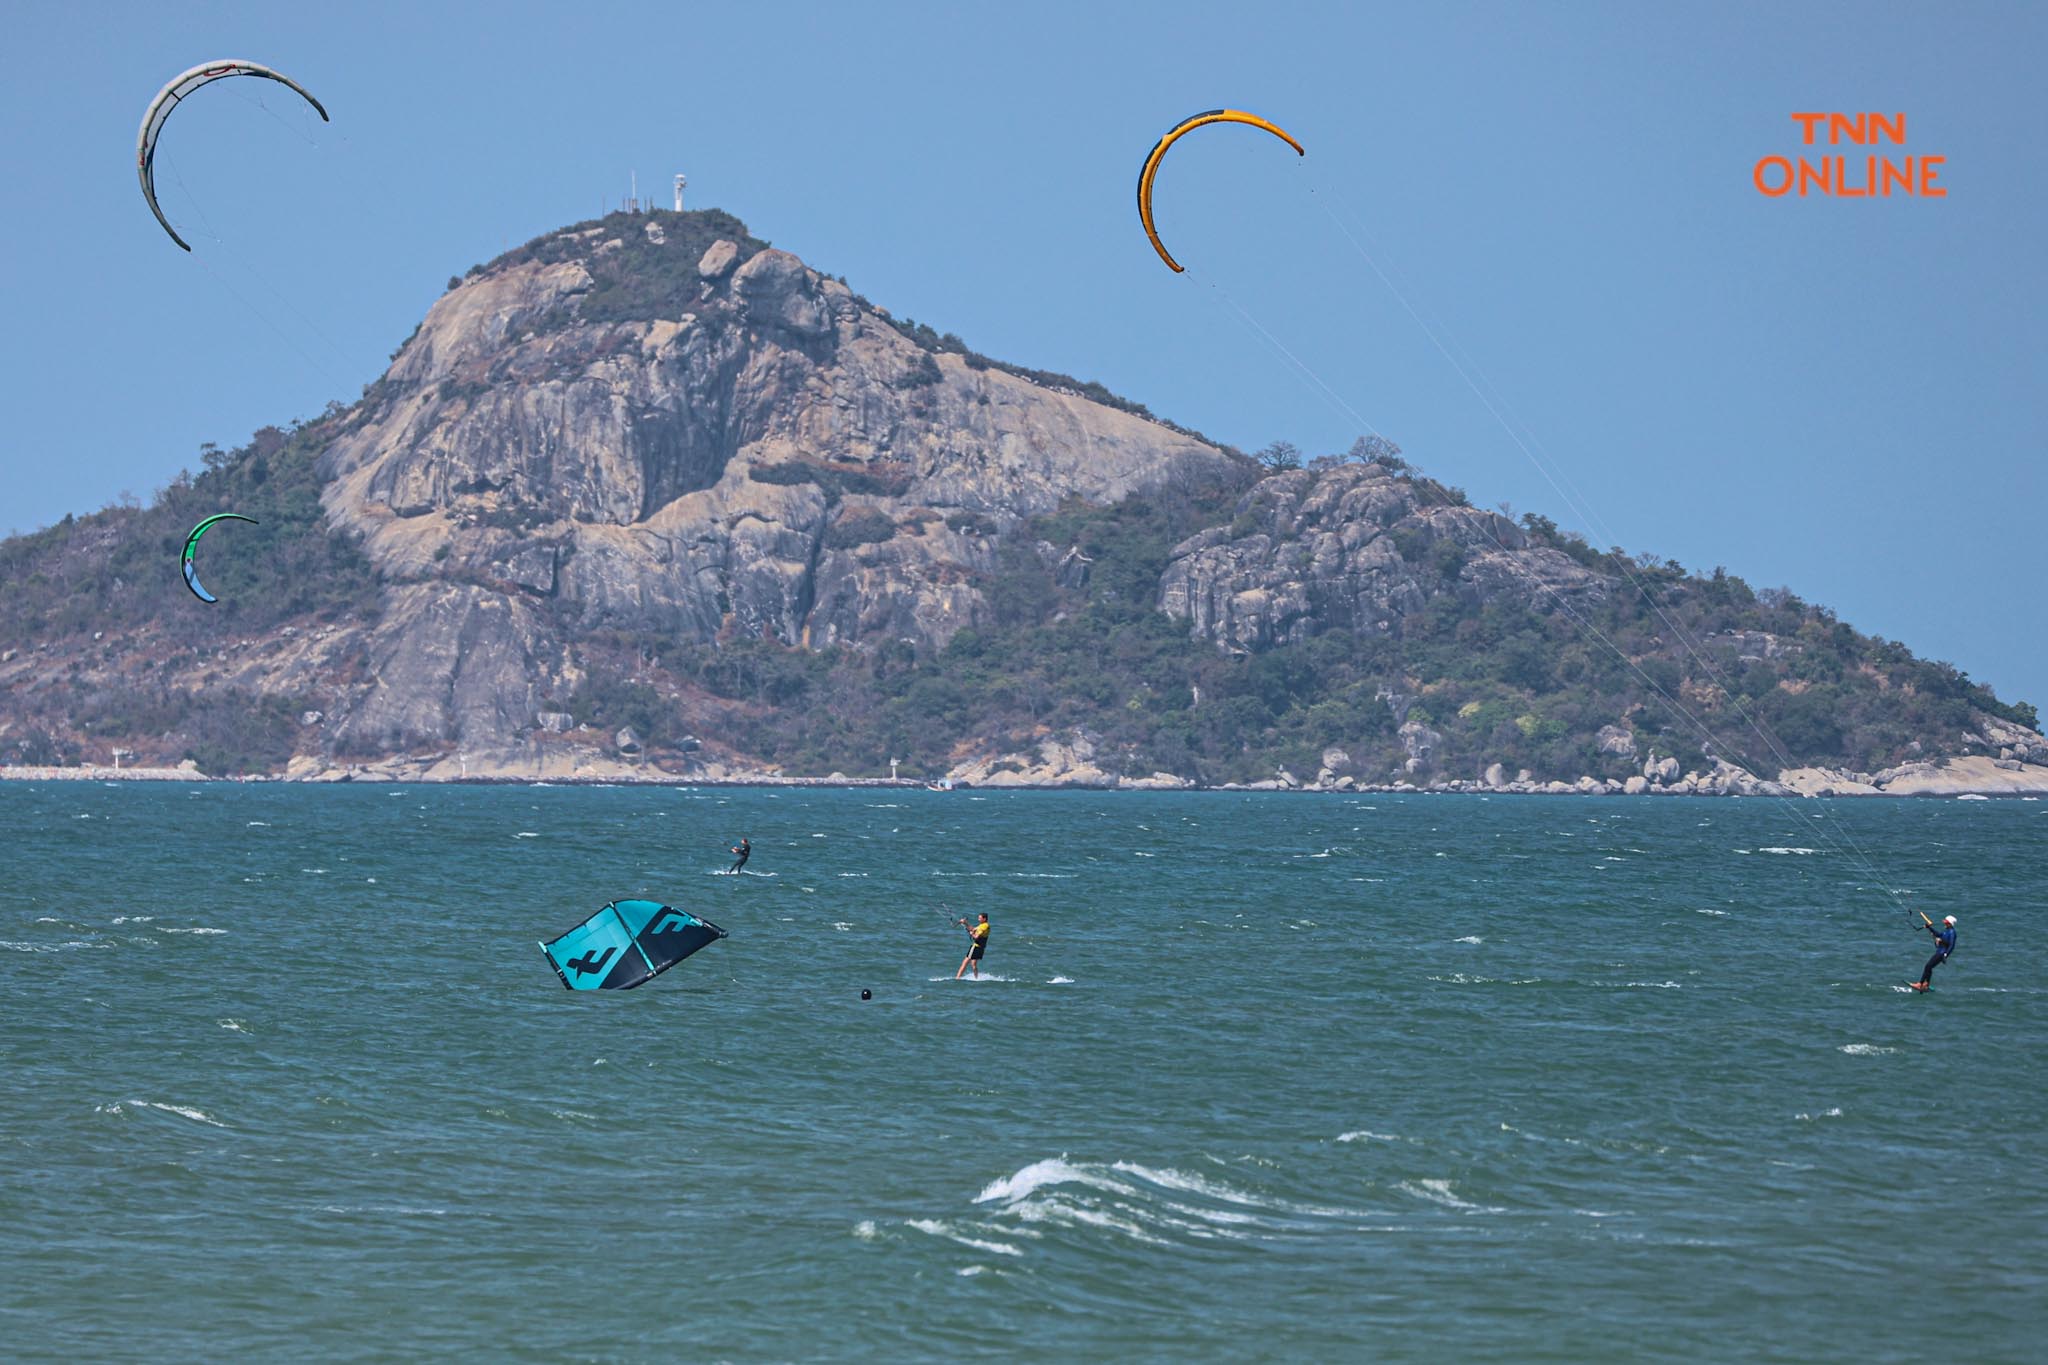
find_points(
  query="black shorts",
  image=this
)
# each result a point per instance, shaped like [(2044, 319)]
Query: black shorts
[(974, 953)]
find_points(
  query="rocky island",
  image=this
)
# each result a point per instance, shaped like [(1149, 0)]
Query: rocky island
[(649, 500)]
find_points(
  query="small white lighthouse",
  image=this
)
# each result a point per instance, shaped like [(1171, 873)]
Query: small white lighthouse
[(681, 180)]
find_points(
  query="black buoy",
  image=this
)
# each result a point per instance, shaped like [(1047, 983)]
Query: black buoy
[(867, 995)]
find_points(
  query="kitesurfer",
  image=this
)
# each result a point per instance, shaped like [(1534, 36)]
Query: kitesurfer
[(745, 850), (978, 933), (1944, 944)]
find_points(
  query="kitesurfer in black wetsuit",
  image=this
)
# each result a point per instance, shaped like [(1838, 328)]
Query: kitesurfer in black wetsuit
[(1944, 944), (745, 850)]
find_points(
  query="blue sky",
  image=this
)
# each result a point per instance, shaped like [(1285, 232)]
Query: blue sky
[(1845, 397)]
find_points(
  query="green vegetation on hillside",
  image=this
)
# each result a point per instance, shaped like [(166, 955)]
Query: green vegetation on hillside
[(640, 279), (1494, 682), (109, 584)]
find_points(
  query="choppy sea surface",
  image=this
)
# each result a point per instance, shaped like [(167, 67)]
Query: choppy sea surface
[(1248, 1077)]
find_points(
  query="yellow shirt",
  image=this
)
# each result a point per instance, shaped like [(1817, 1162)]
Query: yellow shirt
[(980, 932)]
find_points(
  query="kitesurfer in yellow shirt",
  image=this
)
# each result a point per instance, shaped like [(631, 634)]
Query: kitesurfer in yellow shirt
[(979, 934)]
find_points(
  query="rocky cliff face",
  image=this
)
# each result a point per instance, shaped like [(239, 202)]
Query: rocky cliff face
[(775, 460), (1355, 548)]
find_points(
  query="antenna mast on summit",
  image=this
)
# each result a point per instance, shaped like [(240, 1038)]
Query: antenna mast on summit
[(681, 180)]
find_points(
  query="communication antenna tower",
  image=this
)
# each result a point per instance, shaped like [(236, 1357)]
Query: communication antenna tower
[(681, 180)]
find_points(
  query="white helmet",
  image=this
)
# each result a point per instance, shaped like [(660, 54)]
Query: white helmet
[(1948, 919)]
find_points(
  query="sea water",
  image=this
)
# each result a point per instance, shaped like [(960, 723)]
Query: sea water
[(1245, 1076)]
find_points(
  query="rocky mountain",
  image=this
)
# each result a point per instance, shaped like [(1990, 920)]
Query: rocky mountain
[(648, 495)]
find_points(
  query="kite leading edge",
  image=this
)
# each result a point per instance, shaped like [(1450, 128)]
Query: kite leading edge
[(1186, 126)]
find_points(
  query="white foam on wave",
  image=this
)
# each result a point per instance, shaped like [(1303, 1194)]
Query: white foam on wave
[(1059, 981), (527, 834), (1470, 938), (120, 919), (1866, 1050), (935, 1228), (199, 929), (182, 1111), (259, 824), (1834, 1113), (1442, 1192), (407, 1210), (1367, 1135), (842, 926), (233, 1025), (985, 976), (1028, 1180), (1168, 1178), (1067, 1214), (866, 1230), (1799, 852)]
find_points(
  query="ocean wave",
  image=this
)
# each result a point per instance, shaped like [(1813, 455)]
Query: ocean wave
[(1367, 1135), (181, 1110), (1834, 1113), (1469, 938), (1442, 1192), (1866, 1050), (1799, 852), (1059, 981), (933, 1227), (406, 1210), (1151, 1204)]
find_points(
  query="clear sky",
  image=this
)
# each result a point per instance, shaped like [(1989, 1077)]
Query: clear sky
[(1842, 396)]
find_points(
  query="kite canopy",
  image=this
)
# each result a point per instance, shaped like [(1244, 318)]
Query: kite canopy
[(625, 944), (167, 100), (192, 546), (1188, 125)]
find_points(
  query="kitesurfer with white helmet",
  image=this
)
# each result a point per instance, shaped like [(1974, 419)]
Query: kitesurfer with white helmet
[(1944, 944)]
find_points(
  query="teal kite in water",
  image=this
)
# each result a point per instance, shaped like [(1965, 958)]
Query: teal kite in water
[(625, 944)]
